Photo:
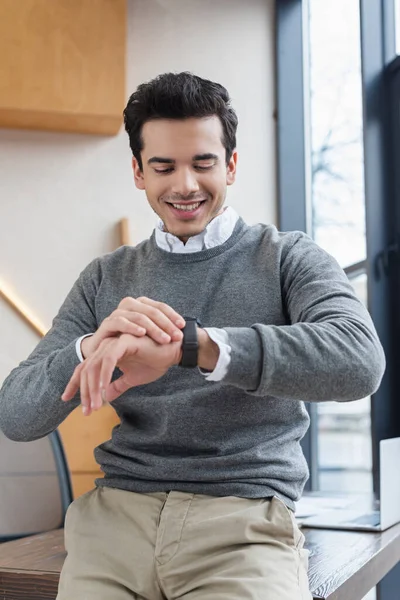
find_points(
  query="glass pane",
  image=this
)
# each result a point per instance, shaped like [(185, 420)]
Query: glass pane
[(338, 208), (338, 215), (344, 436)]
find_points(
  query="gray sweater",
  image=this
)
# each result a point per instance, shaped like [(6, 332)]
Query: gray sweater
[(297, 333)]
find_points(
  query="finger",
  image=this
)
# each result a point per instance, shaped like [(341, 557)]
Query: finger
[(165, 317), (89, 379), (93, 379), (120, 322), (156, 325), (85, 398), (151, 324), (73, 385), (173, 316), (93, 373), (109, 361), (145, 325)]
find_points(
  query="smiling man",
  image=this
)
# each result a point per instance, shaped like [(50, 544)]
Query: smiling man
[(207, 339)]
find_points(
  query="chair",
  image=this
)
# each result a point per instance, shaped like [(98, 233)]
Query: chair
[(35, 486)]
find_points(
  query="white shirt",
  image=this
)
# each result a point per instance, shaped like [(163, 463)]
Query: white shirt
[(217, 232)]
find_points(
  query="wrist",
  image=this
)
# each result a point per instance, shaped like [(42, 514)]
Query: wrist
[(86, 347), (208, 351)]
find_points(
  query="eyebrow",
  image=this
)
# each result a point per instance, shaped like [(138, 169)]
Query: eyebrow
[(171, 161), (160, 159), (207, 156)]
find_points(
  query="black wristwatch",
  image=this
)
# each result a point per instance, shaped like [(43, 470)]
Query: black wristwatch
[(190, 343)]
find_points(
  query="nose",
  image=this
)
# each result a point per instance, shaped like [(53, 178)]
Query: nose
[(185, 182)]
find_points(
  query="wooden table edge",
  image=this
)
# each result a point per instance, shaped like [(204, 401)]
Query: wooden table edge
[(380, 563)]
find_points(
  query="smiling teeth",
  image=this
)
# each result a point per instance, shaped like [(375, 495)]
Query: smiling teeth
[(186, 206)]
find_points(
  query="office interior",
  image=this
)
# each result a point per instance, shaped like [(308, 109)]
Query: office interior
[(316, 86)]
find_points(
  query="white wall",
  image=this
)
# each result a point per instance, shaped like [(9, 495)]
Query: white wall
[(62, 195)]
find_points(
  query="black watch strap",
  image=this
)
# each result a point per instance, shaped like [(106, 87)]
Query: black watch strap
[(190, 343)]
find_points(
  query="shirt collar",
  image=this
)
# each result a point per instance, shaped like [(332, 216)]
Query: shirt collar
[(217, 232)]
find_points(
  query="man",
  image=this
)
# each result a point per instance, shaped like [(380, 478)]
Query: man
[(206, 339)]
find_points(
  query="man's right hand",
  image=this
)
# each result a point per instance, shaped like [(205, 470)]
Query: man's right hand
[(141, 361), (139, 317)]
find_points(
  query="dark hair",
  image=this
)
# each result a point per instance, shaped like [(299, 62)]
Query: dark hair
[(179, 96)]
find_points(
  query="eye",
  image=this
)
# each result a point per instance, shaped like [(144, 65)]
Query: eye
[(164, 171), (203, 167)]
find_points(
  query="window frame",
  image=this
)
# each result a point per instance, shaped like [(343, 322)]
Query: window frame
[(293, 143)]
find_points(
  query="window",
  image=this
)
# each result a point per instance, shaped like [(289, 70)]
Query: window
[(321, 191)]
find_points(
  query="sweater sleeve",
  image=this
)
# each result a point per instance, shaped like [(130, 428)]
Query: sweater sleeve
[(30, 398), (328, 351)]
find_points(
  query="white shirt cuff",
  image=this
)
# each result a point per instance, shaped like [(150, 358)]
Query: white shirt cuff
[(78, 346), (220, 337)]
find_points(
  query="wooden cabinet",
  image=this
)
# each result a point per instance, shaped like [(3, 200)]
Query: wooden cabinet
[(62, 65)]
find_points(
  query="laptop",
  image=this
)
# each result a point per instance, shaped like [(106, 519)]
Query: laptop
[(376, 517)]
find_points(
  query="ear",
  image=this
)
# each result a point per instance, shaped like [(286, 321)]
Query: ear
[(137, 174), (231, 169)]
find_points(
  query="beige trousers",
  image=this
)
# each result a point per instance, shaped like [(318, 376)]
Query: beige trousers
[(122, 545)]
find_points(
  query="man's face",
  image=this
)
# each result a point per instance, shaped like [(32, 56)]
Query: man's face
[(185, 174)]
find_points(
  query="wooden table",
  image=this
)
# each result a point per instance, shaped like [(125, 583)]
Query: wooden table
[(343, 565)]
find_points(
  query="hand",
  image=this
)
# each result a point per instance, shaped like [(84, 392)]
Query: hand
[(139, 317), (142, 360)]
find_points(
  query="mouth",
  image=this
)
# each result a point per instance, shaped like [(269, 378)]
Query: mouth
[(186, 210)]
